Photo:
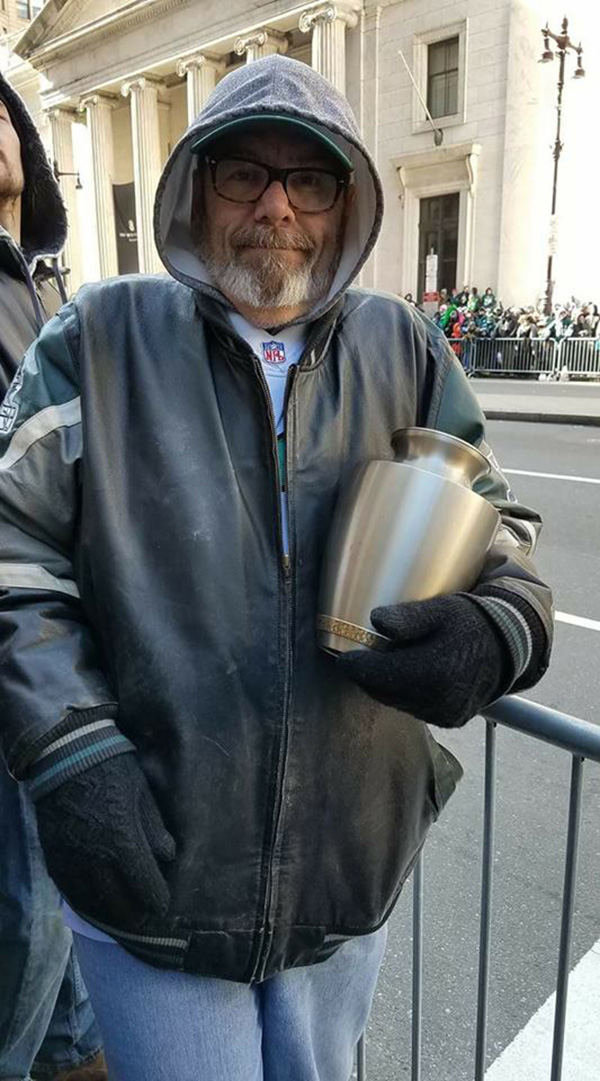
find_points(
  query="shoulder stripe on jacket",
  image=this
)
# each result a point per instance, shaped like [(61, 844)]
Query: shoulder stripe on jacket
[(31, 576), (39, 425)]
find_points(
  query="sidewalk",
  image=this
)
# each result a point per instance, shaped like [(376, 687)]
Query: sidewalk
[(554, 403)]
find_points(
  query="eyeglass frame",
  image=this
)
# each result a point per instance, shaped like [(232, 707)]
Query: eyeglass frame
[(273, 174)]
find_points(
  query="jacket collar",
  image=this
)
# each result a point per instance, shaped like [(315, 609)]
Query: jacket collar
[(11, 257), (319, 330)]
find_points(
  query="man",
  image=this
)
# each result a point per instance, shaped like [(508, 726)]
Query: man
[(44, 1010), (230, 812), (463, 298)]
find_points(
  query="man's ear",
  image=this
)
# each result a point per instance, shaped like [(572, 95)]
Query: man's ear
[(197, 190), (197, 209), (349, 201)]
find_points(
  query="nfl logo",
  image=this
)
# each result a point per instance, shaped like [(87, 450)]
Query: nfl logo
[(273, 352)]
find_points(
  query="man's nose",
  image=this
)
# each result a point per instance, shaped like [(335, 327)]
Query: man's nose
[(273, 205)]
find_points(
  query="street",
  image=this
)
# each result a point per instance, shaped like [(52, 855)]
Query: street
[(531, 815), (533, 400)]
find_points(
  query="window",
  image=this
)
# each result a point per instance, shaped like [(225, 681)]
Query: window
[(28, 9), (440, 70), (438, 235), (442, 77)]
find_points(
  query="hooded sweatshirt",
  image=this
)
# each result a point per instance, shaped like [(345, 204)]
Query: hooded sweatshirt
[(152, 604), (27, 298), (283, 87)]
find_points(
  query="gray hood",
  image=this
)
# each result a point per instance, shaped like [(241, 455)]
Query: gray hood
[(43, 215), (273, 85)]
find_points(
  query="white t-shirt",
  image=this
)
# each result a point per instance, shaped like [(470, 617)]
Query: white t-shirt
[(276, 352)]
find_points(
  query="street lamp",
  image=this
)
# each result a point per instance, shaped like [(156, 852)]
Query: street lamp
[(61, 172), (564, 44)]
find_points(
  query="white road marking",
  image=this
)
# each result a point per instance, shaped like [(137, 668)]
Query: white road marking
[(552, 476), (528, 1057), (578, 621), (564, 617)]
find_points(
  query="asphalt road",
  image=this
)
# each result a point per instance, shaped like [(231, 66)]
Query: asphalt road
[(560, 403), (531, 809), (532, 388)]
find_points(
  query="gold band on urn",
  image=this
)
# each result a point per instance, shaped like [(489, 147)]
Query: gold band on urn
[(360, 635)]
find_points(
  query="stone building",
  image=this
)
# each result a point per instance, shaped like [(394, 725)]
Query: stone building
[(15, 15), (113, 85)]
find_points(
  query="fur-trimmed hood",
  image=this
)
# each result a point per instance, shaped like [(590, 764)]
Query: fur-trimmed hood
[(43, 214)]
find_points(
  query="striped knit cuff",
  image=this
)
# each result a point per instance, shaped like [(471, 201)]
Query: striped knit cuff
[(521, 630), (83, 740)]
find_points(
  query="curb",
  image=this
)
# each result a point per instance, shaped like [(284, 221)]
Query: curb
[(587, 419)]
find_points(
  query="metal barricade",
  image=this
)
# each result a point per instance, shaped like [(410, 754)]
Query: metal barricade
[(582, 740), (529, 356), (581, 356), (509, 356)]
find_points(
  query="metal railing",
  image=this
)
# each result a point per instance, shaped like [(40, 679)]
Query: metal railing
[(582, 740), (580, 355), (529, 356)]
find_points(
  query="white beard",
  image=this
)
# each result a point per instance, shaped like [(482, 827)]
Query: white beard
[(270, 282), (271, 285)]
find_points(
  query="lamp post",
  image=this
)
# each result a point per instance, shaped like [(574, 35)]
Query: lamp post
[(61, 172), (564, 44)]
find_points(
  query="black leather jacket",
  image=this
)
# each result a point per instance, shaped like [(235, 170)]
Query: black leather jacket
[(26, 302), (26, 297), (298, 804)]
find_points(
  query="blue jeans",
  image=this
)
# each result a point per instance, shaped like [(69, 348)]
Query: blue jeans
[(302, 1025), (45, 1013)]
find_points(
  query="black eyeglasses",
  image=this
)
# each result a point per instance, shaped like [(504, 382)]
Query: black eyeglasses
[(308, 190)]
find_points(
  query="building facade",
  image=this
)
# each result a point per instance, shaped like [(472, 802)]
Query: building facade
[(15, 15), (113, 85)]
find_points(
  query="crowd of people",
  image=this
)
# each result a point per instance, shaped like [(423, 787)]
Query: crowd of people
[(470, 314)]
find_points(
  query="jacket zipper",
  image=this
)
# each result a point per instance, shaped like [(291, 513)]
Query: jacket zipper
[(264, 944), (285, 556)]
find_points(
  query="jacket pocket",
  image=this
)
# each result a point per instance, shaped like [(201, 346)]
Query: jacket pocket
[(447, 772)]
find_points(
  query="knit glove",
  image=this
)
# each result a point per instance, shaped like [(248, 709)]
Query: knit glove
[(448, 659), (102, 836)]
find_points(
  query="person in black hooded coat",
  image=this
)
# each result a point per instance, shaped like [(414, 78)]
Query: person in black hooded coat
[(47, 1027)]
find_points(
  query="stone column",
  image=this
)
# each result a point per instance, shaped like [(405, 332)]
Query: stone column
[(143, 93), (328, 25), (61, 121), (98, 108), (201, 73), (364, 100), (262, 43)]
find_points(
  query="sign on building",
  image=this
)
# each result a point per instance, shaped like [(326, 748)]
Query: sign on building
[(431, 272)]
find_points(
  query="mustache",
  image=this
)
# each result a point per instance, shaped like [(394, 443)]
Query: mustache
[(265, 236)]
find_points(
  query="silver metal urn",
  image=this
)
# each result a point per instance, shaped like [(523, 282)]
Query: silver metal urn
[(404, 530)]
